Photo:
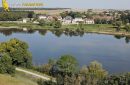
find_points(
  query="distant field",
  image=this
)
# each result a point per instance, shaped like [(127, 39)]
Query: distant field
[(51, 12), (17, 80)]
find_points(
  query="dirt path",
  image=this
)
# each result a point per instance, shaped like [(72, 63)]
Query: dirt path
[(34, 74)]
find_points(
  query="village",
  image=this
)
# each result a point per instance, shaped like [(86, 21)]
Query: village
[(67, 20)]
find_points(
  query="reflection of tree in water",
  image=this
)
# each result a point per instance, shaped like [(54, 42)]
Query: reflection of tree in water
[(68, 32), (118, 36), (127, 39), (8, 32), (42, 32), (30, 31), (58, 33)]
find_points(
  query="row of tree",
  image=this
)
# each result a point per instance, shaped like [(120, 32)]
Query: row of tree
[(54, 23), (66, 71), (16, 15), (121, 21)]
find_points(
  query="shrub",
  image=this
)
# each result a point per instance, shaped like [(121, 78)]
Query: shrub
[(6, 65)]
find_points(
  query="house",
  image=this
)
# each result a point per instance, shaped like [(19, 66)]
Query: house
[(24, 20), (67, 20), (42, 17), (59, 18), (77, 20), (70, 20), (89, 21), (35, 22), (50, 18)]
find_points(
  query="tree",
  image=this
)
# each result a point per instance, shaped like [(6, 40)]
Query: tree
[(44, 68), (42, 22), (67, 65), (119, 79), (6, 64), (64, 14), (127, 28), (57, 24), (18, 52), (43, 82), (97, 70), (14, 16), (126, 21), (30, 15), (118, 24), (93, 73)]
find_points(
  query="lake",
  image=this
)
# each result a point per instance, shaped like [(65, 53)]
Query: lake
[(112, 51)]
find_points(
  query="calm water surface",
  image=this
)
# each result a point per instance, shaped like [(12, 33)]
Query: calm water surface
[(112, 51)]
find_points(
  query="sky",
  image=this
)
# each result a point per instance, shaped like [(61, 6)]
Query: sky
[(98, 4)]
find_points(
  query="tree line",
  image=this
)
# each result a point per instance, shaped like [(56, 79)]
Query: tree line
[(15, 15), (67, 72)]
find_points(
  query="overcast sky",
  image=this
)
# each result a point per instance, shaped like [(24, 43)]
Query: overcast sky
[(115, 4)]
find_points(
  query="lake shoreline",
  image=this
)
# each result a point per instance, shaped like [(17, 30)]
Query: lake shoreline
[(126, 34), (110, 33)]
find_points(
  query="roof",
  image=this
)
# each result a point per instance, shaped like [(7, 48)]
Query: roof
[(68, 18)]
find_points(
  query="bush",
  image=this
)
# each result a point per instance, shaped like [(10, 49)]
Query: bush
[(67, 65), (6, 65), (44, 68), (57, 24), (121, 79), (42, 82), (127, 28), (42, 22)]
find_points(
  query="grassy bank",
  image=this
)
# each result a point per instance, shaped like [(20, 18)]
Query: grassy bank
[(99, 28), (91, 28), (17, 80), (36, 26), (22, 25)]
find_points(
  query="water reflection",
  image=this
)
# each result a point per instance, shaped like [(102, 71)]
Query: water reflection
[(8, 32), (127, 39), (56, 32)]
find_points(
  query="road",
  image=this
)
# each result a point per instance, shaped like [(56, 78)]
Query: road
[(34, 74)]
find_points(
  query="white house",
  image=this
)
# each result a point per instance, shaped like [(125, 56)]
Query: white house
[(24, 20), (89, 21), (42, 17), (59, 18), (77, 20), (67, 20), (35, 22)]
